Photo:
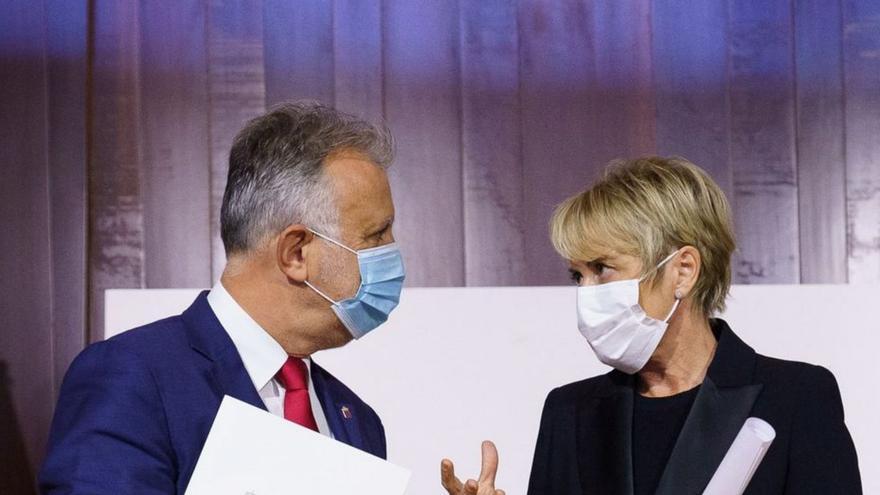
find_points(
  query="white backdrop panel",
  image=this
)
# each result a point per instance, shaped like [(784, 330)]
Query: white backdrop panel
[(455, 366)]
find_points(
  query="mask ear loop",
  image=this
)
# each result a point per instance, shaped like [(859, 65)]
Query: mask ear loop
[(677, 298), (674, 307), (332, 241), (321, 293), (671, 255)]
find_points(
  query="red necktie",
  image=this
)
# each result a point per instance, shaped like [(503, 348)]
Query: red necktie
[(297, 405)]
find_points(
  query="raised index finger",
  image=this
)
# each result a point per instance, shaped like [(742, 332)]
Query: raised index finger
[(490, 463)]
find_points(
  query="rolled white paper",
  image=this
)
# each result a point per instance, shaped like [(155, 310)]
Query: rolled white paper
[(742, 459)]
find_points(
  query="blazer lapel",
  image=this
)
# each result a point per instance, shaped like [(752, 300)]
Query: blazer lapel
[(721, 407), (342, 418), (207, 337), (231, 378), (713, 422), (604, 441)]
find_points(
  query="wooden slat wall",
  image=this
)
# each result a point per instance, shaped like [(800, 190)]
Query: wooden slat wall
[(494, 232), (298, 50), (236, 88), (623, 105), (762, 147), (820, 141), (422, 106), (66, 71), (690, 78), (357, 58), (119, 116), (175, 151), (25, 291), (116, 222), (502, 109), (861, 28), (557, 71)]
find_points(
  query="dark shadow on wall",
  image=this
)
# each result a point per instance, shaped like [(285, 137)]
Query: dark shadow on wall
[(16, 476)]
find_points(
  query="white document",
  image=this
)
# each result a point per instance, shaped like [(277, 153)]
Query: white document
[(742, 459), (252, 452)]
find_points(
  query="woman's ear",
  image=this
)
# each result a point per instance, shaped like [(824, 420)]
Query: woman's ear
[(291, 251), (687, 270)]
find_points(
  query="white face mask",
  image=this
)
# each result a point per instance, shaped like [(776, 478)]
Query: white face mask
[(620, 332)]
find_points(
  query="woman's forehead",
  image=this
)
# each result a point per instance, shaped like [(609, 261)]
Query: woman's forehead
[(596, 246), (607, 255)]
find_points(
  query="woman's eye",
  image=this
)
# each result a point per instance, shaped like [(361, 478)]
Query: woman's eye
[(598, 268), (576, 276)]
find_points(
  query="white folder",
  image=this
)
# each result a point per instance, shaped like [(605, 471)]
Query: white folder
[(252, 452)]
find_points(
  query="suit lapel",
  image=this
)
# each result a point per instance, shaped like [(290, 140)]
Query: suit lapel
[(342, 417), (604, 441), (713, 422), (207, 337), (231, 378), (722, 405)]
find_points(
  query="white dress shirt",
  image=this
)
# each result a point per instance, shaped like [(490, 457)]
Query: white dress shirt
[(261, 354)]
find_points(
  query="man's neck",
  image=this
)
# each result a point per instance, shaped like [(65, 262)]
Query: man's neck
[(260, 301)]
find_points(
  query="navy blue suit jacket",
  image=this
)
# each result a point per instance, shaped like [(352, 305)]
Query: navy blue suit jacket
[(135, 410)]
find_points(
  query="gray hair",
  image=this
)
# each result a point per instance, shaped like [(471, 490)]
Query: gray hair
[(275, 173)]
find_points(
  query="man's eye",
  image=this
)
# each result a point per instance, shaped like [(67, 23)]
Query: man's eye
[(381, 234), (576, 276)]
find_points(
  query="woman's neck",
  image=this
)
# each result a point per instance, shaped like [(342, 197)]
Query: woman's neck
[(682, 358)]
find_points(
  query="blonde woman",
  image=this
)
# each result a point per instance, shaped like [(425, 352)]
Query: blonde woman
[(649, 246)]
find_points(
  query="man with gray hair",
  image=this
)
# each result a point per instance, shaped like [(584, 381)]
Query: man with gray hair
[(311, 264)]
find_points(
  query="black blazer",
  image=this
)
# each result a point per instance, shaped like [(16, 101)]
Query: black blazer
[(585, 440)]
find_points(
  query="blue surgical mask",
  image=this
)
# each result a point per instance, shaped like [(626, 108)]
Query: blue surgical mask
[(382, 275)]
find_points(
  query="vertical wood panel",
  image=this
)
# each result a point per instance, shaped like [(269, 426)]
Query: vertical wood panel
[(26, 389), (298, 50), (491, 145), (690, 77), (116, 229), (821, 176), (862, 76), (236, 91), (174, 111), (557, 74), (423, 107), (762, 145), (67, 35), (357, 57), (624, 105)]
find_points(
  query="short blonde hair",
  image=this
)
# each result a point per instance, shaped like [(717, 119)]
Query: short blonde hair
[(649, 207)]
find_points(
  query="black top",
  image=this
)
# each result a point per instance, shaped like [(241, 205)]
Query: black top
[(656, 424), (585, 442)]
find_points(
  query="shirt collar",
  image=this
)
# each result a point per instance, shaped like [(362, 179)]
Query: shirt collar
[(261, 354)]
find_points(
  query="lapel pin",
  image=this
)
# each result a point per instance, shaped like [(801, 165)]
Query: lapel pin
[(346, 412)]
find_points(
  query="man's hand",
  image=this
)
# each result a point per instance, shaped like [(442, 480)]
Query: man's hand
[(485, 485)]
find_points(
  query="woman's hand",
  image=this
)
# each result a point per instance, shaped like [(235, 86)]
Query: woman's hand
[(485, 485)]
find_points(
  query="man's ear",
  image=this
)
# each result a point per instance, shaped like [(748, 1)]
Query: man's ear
[(687, 270), (291, 250)]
